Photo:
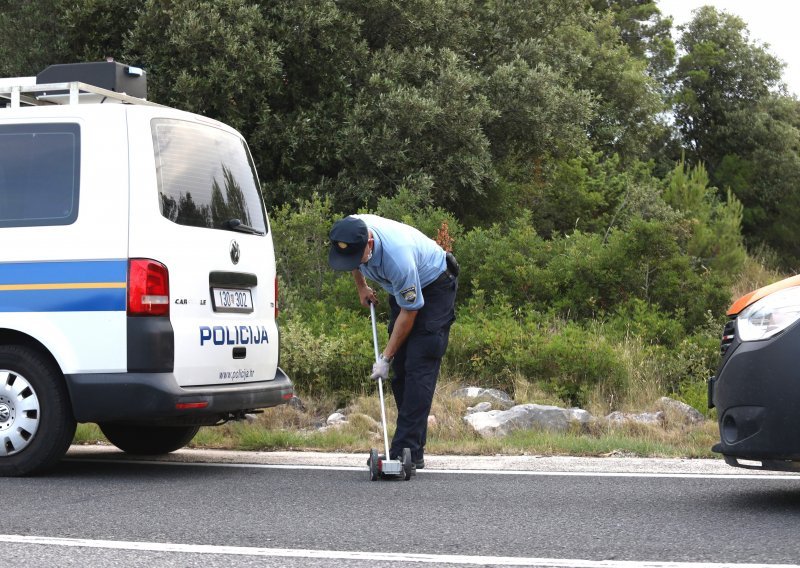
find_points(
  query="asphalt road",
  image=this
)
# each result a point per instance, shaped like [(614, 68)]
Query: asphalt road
[(192, 514)]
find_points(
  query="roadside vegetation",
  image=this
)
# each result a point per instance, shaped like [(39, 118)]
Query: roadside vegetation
[(287, 428), (607, 190)]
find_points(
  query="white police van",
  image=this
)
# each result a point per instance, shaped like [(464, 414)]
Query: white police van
[(137, 273)]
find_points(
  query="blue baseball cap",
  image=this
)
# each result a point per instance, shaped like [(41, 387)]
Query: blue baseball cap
[(349, 237)]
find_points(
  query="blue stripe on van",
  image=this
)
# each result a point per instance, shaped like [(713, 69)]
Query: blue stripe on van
[(61, 272), (72, 286)]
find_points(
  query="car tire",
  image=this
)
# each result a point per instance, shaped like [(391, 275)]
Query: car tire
[(36, 420), (148, 440)]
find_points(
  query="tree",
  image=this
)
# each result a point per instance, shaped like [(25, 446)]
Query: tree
[(213, 58), (715, 235), (645, 32), (733, 115), (722, 72), (40, 33)]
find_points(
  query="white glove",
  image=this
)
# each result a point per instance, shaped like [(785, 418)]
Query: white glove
[(380, 369)]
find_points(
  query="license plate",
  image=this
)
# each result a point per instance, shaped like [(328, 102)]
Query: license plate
[(232, 300)]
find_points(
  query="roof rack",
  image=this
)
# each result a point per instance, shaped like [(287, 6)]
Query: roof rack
[(72, 93)]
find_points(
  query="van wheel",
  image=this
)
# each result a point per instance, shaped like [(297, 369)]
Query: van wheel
[(36, 421), (148, 440)]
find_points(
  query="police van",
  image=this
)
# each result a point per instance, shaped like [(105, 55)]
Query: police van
[(137, 273)]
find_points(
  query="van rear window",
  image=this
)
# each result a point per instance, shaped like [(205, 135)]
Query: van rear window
[(39, 174), (205, 175)]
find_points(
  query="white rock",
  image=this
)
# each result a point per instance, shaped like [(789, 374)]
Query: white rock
[(336, 418), (432, 422), (579, 415), (480, 407), (690, 414), (524, 416), (494, 395), (618, 417)]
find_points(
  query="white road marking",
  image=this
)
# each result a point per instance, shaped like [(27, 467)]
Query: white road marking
[(369, 556), (363, 469)]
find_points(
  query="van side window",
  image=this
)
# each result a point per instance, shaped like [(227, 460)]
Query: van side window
[(205, 176), (39, 174)]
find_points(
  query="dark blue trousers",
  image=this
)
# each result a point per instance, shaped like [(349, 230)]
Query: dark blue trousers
[(416, 364)]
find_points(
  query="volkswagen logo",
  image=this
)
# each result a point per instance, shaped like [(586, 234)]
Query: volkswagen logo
[(235, 252), (5, 413)]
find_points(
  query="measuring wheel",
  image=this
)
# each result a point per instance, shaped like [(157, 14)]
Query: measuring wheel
[(374, 473)]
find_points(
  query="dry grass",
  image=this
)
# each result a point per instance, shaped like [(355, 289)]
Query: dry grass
[(644, 386), (755, 274)]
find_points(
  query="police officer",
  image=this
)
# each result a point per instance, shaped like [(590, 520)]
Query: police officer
[(421, 280)]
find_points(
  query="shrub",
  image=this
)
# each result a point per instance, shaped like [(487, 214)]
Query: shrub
[(646, 322), (335, 361), (300, 240), (573, 362), (494, 347), (509, 260), (415, 210)]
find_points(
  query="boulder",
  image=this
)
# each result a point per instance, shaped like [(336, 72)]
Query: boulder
[(579, 415), (480, 407), (689, 414), (335, 419), (494, 396), (617, 417), (334, 422), (496, 423)]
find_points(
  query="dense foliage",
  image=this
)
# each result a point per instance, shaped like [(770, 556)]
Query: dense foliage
[(597, 181)]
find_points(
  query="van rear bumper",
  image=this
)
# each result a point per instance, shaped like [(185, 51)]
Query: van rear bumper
[(154, 398)]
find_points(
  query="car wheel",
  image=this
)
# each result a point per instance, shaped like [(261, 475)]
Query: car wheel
[(148, 440), (36, 421)]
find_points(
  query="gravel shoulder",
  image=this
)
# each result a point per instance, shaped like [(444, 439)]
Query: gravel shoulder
[(611, 464)]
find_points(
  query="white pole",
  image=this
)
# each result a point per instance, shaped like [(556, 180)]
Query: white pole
[(380, 381)]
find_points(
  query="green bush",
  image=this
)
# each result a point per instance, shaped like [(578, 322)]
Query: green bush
[(492, 346), (336, 360), (560, 313), (584, 275), (509, 260), (574, 362), (645, 321), (414, 209), (300, 240)]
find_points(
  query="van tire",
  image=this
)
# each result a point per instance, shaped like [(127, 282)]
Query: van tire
[(36, 420), (148, 440)]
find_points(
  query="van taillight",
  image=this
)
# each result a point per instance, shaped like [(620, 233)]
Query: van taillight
[(148, 288), (276, 298)]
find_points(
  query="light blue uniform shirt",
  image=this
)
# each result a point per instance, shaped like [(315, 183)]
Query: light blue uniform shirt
[(403, 261)]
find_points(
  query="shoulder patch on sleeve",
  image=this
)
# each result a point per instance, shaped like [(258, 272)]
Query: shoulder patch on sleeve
[(409, 294)]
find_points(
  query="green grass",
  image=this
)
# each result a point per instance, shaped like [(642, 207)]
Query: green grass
[(88, 434)]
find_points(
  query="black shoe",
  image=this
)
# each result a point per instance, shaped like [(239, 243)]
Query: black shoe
[(420, 463)]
